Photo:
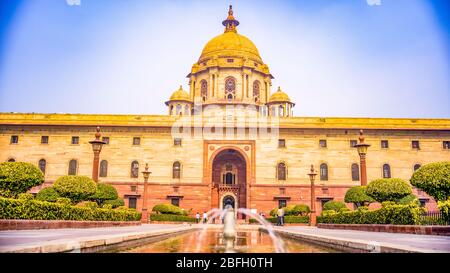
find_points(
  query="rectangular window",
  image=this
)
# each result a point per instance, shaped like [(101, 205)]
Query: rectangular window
[(322, 143), (14, 139), (353, 143), (282, 203), (175, 201), (384, 144), (230, 60), (177, 141), (415, 144), (44, 139), (75, 140), (133, 188), (106, 140), (136, 141), (132, 202), (446, 145), (281, 143)]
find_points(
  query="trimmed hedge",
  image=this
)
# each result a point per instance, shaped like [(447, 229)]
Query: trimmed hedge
[(114, 203), (18, 177), (388, 189), (389, 213), (25, 196), (104, 192), (287, 220), (409, 199), (444, 207), (357, 195), (293, 210), (47, 194), (75, 187), (171, 218), (41, 210), (168, 209), (434, 179), (335, 205)]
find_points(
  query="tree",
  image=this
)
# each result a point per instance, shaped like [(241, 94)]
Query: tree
[(357, 195), (76, 188), (388, 189), (434, 179), (18, 177)]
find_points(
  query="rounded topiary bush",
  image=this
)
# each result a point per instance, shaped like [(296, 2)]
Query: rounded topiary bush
[(337, 206), (388, 189), (104, 192), (47, 194), (114, 203), (167, 209), (76, 188), (18, 177), (301, 209), (357, 195), (434, 179)]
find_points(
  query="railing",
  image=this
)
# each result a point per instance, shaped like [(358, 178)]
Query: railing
[(227, 187), (433, 218)]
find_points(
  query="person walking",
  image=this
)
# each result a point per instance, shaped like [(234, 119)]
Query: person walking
[(280, 215), (205, 217), (197, 217)]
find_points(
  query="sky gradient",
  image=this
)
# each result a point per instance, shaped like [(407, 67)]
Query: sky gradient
[(336, 58)]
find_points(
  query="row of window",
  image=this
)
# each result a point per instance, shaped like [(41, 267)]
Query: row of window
[(230, 89), (323, 174), (384, 144)]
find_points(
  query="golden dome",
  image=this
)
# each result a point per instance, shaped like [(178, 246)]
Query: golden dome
[(230, 43), (180, 94), (279, 96)]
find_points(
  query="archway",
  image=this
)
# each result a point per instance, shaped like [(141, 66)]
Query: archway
[(228, 200)]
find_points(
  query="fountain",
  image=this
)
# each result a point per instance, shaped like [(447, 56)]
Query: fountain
[(229, 229)]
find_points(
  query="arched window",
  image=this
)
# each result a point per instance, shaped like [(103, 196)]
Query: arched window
[(134, 169), (11, 160), (355, 172), (230, 88), (42, 165), (186, 110), (416, 167), (179, 109), (176, 170), (323, 172), (281, 171), (256, 93), (281, 111), (274, 111), (386, 171), (103, 168), (204, 90), (171, 110), (73, 166)]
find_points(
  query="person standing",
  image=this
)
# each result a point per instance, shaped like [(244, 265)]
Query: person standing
[(205, 217), (197, 217), (280, 215)]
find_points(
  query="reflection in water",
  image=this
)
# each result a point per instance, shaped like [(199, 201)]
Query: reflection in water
[(246, 242)]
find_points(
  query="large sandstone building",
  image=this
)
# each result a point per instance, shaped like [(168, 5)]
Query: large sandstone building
[(229, 140)]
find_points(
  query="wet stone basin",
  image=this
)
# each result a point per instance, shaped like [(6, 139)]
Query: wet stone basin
[(252, 241)]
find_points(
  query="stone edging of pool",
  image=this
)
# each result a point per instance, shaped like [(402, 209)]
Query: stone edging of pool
[(411, 229), (350, 245), (13, 224), (97, 243)]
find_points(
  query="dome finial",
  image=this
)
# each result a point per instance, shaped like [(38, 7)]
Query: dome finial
[(230, 23)]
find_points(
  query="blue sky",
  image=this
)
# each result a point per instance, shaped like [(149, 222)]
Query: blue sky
[(342, 58)]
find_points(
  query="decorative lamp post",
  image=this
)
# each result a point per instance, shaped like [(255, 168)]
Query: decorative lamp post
[(312, 177), (146, 173), (97, 148), (362, 151)]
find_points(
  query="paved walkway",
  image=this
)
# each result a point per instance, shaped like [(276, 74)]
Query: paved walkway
[(54, 239), (389, 241)]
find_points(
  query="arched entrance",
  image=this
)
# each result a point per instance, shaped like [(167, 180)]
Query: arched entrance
[(229, 179)]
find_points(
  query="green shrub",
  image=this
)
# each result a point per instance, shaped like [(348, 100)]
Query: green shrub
[(168, 209), (388, 189), (104, 192), (114, 203), (63, 201), (389, 213), (25, 196), (273, 212), (357, 195), (301, 209), (107, 206), (77, 188), (328, 212), (434, 179), (88, 204), (444, 207), (287, 220), (334, 205), (47, 194), (170, 218), (409, 199), (18, 177), (41, 210)]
